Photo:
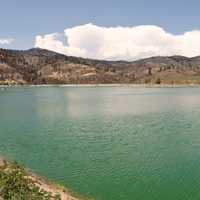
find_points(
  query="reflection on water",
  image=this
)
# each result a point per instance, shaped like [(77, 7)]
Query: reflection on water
[(111, 143)]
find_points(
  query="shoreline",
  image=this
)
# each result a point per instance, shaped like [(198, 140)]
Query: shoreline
[(43, 184), (109, 85)]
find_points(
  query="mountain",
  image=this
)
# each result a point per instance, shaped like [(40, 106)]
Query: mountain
[(40, 66)]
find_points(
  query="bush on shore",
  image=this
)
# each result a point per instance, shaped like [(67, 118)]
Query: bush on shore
[(16, 184)]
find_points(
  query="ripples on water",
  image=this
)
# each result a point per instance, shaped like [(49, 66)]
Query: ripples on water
[(111, 143)]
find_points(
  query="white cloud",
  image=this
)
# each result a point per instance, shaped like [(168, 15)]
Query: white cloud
[(6, 41), (121, 43)]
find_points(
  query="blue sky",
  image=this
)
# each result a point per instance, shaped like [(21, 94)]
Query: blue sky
[(24, 19)]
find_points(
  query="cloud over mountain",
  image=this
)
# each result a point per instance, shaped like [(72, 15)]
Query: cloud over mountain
[(120, 43), (6, 41)]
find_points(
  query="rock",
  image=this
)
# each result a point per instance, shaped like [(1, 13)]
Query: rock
[(2, 162)]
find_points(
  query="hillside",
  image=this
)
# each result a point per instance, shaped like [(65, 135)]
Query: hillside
[(39, 66)]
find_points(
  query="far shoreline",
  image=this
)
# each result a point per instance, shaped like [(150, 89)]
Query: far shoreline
[(108, 85)]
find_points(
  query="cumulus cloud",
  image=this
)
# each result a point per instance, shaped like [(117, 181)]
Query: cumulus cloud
[(6, 41), (120, 43)]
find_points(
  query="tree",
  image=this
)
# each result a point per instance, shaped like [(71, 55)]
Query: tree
[(158, 81)]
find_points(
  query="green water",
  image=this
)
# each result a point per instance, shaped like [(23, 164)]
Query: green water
[(110, 143)]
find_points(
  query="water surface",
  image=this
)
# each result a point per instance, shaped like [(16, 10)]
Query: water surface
[(110, 143)]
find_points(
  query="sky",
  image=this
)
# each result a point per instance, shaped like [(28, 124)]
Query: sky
[(106, 29)]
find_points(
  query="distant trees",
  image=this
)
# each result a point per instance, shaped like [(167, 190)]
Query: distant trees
[(149, 71), (158, 81)]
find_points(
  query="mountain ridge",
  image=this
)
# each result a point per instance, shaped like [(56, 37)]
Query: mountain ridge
[(41, 66)]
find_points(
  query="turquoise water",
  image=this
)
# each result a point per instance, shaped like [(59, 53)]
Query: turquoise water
[(110, 143)]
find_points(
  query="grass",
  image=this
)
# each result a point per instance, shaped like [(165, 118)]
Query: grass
[(16, 184)]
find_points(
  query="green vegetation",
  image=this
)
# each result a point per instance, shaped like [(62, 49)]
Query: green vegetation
[(16, 184)]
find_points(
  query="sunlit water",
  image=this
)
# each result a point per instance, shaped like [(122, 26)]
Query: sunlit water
[(110, 143)]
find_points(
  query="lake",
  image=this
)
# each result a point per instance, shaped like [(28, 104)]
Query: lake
[(109, 143)]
